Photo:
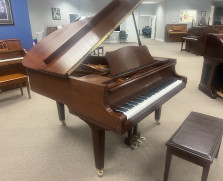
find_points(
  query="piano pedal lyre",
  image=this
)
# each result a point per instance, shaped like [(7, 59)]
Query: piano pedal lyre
[(133, 139)]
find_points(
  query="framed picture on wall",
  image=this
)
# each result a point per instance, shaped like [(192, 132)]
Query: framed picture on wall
[(56, 13), (6, 12)]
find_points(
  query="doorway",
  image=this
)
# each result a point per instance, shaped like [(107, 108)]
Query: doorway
[(147, 26)]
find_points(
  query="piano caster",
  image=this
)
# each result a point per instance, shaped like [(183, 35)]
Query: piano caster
[(63, 123), (100, 172), (157, 122)]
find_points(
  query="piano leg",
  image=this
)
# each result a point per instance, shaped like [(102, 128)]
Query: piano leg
[(98, 137), (158, 115), (61, 112)]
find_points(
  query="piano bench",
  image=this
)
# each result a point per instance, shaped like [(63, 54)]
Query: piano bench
[(15, 79), (190, 39), (197, 140)]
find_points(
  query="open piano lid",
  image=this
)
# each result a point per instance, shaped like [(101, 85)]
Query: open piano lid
[(65, 49)]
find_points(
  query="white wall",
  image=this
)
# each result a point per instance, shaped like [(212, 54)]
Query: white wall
[(168, 12), (41, 16), (161, 20), (173, 8)]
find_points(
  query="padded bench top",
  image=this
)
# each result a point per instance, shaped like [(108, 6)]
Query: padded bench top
[(199, 134)]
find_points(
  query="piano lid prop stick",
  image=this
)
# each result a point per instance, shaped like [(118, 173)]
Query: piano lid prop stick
[(137, 33)]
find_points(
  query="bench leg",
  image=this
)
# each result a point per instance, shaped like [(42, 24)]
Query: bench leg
[(205, 172), (167, 164), (182, 43), (28, 87), (20, 85)]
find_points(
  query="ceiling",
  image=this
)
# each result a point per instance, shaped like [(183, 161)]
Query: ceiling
[(152, 1)]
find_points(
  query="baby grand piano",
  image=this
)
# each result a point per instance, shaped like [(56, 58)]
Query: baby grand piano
[(112, 93)]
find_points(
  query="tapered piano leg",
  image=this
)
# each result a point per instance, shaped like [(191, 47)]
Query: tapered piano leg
[(61, 112), (98, 137), (158, 115)]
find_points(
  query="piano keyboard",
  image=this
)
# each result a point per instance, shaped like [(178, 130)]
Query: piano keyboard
[(10, 59), (139, 103)]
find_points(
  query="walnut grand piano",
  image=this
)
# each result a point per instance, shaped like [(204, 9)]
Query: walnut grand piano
[(112, 93)]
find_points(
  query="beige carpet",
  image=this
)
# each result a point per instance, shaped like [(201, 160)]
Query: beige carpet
[(34, 145)]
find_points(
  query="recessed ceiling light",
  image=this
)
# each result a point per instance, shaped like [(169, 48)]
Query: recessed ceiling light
[(148, 2)]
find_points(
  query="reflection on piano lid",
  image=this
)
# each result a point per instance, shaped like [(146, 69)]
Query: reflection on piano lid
[(60, 67)]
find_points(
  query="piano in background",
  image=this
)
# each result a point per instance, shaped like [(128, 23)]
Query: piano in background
[(113, 92), (11, 56), (212, 74), (175, 32), (199, 33)]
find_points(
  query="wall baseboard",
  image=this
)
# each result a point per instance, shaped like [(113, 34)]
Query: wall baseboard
[(159, 39)]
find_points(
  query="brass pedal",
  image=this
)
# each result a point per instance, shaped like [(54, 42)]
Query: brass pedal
[(220, 93)]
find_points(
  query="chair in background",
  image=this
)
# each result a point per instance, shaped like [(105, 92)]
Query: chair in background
[(123, 35)]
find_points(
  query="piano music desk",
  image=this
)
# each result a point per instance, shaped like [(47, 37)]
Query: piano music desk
[(15, 79)]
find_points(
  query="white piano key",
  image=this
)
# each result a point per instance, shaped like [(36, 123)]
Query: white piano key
[(10, 59), (139, 107)]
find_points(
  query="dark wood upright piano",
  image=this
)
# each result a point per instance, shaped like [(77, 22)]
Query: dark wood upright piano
[(113, 92), (212, 74), (11, 56), (197, 37)]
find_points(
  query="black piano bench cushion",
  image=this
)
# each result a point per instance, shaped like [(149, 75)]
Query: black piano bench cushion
[(197, 140)]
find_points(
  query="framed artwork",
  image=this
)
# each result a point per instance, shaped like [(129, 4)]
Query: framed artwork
[(56, 13), (203, 13), (187, 16), (6, 12)]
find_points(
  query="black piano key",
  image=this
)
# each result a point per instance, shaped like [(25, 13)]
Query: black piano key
[(127, 106), (146, 95), (138, 100), (132, 102), (121, 109)]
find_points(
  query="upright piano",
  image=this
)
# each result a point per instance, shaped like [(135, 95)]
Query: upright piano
[(199, 33), (212, 73), (11, 56), (112, 92)]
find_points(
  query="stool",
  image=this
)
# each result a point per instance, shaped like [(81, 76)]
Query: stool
[(197, 140)]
